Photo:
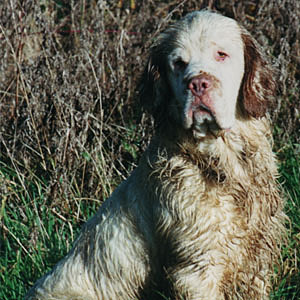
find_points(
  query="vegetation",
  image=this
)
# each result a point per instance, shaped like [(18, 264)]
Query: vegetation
[(71, 130)]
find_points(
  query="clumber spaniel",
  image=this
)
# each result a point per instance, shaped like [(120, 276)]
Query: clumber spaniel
[(201, 216)]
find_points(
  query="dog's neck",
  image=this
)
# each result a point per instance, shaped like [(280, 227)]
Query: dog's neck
[(231, 153), (233, 164)]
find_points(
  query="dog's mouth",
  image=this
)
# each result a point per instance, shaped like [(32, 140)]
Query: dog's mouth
[(200, 118)]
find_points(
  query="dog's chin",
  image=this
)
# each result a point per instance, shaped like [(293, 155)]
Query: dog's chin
[(202, 124), (206, 128)]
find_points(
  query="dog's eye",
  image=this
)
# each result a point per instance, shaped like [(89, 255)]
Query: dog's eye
[(179, 64), (221, 56)]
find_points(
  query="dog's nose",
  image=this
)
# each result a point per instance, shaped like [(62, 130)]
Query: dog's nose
[(199, 85)]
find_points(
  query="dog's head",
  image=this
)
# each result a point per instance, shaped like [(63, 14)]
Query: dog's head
[(203, 73)]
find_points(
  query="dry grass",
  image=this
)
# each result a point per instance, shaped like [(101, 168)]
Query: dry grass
[(70, 129), (68, 78)]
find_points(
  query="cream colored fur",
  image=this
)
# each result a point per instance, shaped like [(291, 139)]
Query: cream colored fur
[(201, 216)]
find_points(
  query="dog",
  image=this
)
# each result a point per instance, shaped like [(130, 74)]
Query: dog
[(201, 217)]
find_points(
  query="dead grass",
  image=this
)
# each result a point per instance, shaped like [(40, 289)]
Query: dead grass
[(68, 78)]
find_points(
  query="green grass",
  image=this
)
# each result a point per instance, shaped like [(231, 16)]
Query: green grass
[(35, 234), (289, 286)]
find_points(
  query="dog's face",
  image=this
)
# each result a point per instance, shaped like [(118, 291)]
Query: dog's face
[(205, 71), (198, 70)]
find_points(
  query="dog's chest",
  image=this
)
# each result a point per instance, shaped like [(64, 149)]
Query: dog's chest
[(195, 208)]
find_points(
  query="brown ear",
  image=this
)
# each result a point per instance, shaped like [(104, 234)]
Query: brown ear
[(258, 86), (148, 86), (153, 87)]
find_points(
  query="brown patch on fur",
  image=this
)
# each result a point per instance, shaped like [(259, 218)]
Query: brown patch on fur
[(258, 86)]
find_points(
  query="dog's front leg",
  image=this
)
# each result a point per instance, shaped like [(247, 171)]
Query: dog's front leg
[(109, 261)]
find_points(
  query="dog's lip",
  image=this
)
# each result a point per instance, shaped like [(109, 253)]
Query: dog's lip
[(201, 107), (203, 102), (200, 116), (203, 118)]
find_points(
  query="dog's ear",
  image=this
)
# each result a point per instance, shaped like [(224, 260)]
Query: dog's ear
[(152, 86), (258, 86)]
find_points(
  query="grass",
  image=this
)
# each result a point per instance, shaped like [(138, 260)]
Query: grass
[(35, 235), (289, 287)]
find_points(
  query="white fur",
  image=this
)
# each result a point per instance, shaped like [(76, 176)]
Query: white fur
[(198, 44)]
